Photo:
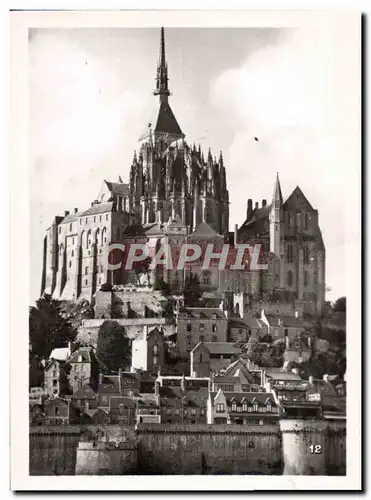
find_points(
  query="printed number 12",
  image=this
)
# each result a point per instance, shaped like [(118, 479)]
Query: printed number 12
[(315, 448)]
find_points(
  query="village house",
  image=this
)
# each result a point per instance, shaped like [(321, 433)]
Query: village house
[(200, 324), (282, 326), (85, 398), (54, 375), (186, 407), (208, 357), (148, 351), (60, 411), (245, 408), (241, 329), (237, 378), (84, 368), (122, 410)]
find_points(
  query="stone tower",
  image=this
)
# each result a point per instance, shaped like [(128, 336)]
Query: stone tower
[(275, 217), (168, 178), (292, 243)]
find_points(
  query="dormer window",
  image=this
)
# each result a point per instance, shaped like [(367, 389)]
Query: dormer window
[(244, 407), (255, 407), (234, 407)]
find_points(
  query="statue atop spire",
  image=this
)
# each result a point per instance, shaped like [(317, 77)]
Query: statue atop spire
[(162, 79)]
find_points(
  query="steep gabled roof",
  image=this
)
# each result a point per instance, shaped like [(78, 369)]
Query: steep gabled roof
[(118, 188), (98, 208), (297, 200)]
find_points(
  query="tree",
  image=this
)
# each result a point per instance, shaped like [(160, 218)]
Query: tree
[(48, 327), (192, 290), (113, 346), (340, 305)]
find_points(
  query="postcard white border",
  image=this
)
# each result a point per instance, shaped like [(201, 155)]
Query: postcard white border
[(349, 22)]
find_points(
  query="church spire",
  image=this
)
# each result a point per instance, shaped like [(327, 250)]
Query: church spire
[(277, 193), (162, 79)]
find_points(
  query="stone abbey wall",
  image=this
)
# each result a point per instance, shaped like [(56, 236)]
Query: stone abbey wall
[(206, 449), (199, 449)]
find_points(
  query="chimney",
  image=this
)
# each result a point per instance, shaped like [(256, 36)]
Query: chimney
[(235, 234), (66, 213), (326, 378), (76, 210), (249, 208), (256, 205), (311, 379), (92, 203), (264, 202)]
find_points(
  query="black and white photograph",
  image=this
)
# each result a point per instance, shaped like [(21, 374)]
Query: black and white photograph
[(192, 209)]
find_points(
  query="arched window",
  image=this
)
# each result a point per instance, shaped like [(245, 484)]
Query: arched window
[(306, 278), (104, 235), (289, 220), (88, 239), (61, 249), (298, 220), (290, 278), (97, 234), (290, 253), (305, 221)]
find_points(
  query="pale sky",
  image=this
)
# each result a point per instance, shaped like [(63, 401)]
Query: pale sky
[(91, 97)]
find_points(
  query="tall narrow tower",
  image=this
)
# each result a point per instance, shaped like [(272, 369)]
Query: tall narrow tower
[(275, 219), (162, 79)]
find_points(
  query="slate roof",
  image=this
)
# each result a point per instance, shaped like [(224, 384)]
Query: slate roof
[(262, 398), (110, 385), (280, 375), (245, 322), (98, 208), (84, 392), (257, 214), (219, 348), (172, 397), (162, 120), (70, 218), (203, 229), (118, 188)]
